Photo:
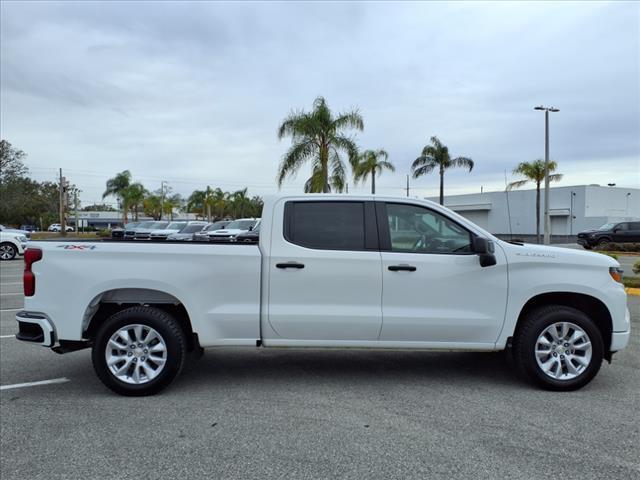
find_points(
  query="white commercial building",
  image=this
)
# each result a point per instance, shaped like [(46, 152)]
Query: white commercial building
[(572, 209)]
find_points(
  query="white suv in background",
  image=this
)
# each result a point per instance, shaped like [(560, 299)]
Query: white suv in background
[(232, 230), (11, 244), (55, 227)]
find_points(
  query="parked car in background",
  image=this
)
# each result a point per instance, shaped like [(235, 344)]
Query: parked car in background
[(118, 232), (203, 235), (231, 231), (620, 232), (188, 232), (56, 227), (130, 231), (15, 230), (145, 233), (29, 228), (173, 227), (11, 244), (252, 236)]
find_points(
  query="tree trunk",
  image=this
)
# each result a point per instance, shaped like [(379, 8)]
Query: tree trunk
[(441, 186), (208, 213), (538, 212), (373, 181)]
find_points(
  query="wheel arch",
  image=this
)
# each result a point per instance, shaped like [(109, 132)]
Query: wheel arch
[(587, 304), (109, 302)]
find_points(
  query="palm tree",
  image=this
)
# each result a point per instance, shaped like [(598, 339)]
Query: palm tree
[(534, 172), (371, 162), (133, 198), (319, 137), (437, 156), (116, 186), (196, 202), (239, 203), (219, 200)]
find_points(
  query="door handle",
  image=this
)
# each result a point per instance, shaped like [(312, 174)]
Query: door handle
[(402, 268), (290, 265)]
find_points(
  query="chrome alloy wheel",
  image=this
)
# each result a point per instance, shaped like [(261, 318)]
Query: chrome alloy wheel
[(136, 354), (7, 252), (563, 351)]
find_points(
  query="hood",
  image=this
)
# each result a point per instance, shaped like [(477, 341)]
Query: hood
[(164, 232), (531, 252)]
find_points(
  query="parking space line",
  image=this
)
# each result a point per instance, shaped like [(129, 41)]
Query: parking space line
[(11, 309), (7, 294), (34, 384), (7, 336), (11, 283)]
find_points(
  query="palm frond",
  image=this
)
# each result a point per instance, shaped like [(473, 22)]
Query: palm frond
[(517, 184), (294, 158), (463, 162)]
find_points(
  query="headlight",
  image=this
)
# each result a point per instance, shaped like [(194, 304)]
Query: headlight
[(22, 238)]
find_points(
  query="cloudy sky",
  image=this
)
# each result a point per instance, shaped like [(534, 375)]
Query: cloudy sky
[(192, 93)]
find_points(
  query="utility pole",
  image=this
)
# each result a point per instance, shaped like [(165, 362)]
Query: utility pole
[(547, 218), (75, 206), (347, 187), (162, 199), (407, 185), (63, 224)]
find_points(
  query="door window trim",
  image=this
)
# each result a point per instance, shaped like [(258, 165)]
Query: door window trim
[(371, 242), (384, 233)]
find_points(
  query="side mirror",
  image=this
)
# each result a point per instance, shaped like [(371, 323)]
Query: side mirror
[(485, 250), (250, 229)]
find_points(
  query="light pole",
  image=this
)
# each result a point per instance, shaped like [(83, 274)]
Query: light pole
[(547, 219)]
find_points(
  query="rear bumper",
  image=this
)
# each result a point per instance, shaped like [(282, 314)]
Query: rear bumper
[(35, 327)]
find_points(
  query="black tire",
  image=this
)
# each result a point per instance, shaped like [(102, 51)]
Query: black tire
[(9, 251), (525, 341), (603, 241), (587, 247), (161, 322)]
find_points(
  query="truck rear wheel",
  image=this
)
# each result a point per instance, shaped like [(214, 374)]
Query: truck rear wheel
[(558, 348), (139, 351)]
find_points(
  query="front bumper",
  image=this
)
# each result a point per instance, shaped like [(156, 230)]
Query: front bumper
[(35, 327), (620, 340)]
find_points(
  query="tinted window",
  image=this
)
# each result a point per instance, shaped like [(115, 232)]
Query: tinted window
[(326, 225), (417, 229), (634, 226), (622, 227)]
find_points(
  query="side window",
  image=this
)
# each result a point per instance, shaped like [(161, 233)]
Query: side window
[(326, 225), (635, 226), (622, 227), (417, 229)]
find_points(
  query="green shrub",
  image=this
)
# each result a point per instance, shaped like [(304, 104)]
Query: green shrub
[(636, 268), (631, 282), (103, 233), (619, 247)]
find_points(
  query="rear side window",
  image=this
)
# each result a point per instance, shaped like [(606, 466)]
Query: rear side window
[(326, 225), (634, 226)]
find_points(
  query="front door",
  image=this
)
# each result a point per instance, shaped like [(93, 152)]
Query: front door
[(325, 283), (434, 289)]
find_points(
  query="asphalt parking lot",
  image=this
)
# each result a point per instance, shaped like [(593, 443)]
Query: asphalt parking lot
[(313, 414)]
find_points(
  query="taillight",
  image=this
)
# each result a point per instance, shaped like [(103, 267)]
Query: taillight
[(31, 255)]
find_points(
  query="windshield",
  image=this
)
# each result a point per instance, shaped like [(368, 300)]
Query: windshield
[(241, 225), (215, 226), (192, 228), (132, 225), (176, 225), (158, 225), (607, 226), (145, 224)]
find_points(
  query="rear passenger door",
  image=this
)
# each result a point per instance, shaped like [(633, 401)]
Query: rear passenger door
[(634, 231), (325, 280)]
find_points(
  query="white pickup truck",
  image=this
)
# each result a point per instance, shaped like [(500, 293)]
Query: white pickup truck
[(329, 271)]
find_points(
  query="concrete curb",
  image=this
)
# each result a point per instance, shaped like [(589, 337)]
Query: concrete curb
[(633, 291)]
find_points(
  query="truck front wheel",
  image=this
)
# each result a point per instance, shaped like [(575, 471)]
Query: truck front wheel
[(139, 351), (558, 348)]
